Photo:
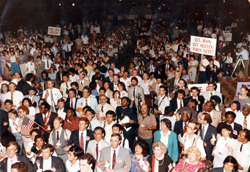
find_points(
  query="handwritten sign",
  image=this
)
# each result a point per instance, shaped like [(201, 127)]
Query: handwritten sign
[(228, 36), (54, 31), (203, 45)]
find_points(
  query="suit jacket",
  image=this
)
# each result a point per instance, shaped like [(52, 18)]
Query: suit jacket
[(34, 99), (178, 127), (207, 95), (92, 147), (92, 103), (211, 130), (56, 163), (3, 118), (211, 74), (74, 138), (21, 158), (129, 113), (39, 69), (147, 68), (219, 169), (123, 157), (68, 103), (201, 100), (58, 75), (78, 94), (24, 87), (236, 130), (171, 85), (138, 91), (164, 67), (216, 118), (39, 119), (85, 83), (173, 103)]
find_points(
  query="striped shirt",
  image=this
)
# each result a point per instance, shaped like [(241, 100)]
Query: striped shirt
[(71, 125)]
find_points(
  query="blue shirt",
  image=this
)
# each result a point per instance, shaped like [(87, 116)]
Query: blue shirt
[(47, 164), (244, 54)]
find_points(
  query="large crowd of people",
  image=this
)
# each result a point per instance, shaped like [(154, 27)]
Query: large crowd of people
[(70, 103)]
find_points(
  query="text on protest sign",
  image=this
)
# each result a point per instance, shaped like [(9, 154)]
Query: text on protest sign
[(203, 45), (54, 31)]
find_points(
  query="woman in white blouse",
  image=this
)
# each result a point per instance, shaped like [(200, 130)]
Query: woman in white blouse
[(32, 110), (122, 90), (30, 65), (13, 60), (235, 107)]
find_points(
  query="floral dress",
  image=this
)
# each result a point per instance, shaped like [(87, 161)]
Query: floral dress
[(135, 163)]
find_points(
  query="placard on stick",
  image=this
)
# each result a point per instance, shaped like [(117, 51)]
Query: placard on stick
[(203, 45)]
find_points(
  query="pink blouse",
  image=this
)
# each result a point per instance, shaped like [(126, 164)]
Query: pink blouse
[(188, 167)]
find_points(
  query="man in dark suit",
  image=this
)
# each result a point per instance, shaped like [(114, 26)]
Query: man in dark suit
[(71, 101), (13, 157), (151, 66), (102, 92), (172, 83), (179, 101), (114, 86), (127, 117), (110, 77), (230, 117), (45, 119), (59, 75), (207, 133), (24, 86), (212, 71), (200, 99), (75, 85), (229, 164), (166, 67), (4, 120), (49, 162), (82, 136), (34, 99)]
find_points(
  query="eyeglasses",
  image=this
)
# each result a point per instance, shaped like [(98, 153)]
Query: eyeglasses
[(190, 127)]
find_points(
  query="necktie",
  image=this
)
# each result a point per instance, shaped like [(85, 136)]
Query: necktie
[(241, 147), (114, 160), (185, 128), (47, 63), (245, 123), (57, 138), (67, 88), (60, 76), (11, 97), (102, 109), (203, 132), (52, 101), (180, 103), (81, 142), (45, 120), (134, 92), (67, 48), (90, 126), (86, 104), (71, 104), (96, 151)]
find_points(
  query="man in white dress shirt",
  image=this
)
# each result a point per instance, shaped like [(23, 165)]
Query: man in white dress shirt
[(15, 96), (244, 118), (125, 79), (211, 91), (163, 101), (52, 95), (65, 86), (48, 62)]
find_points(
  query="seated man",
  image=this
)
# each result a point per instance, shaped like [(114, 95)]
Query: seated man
[(86, 163), (93, 122), (49, 162), (71, 123), (118, 129), (120, 156)]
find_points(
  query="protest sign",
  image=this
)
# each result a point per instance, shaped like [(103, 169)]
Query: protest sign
[(54, 31), (203, 45)]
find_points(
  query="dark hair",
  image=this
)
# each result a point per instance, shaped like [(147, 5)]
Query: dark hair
[(29, 76), (207, 117), (77, 151), (44, 72), (180, 91), (168, 110), (231, 159), (115, 134), (247, 136), (29, 101), (86, 107), (214, 84), (230, 113), (93, 85), (143, 144), (20, 166), (227, 127), (117, 125), (47, 106), (2, 87), (110, 112), (38, 132), (13, 111), (185, 83), (87, 88), (102, 130), (134, 78), (123, 85), (46, 146), (72, 89), (102, 88), (237, 103), (196, 88), (167, 123), (90, 110), (75, 84), (39, 136), (90, 159)]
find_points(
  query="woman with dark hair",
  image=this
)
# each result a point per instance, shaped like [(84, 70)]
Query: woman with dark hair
[(182, 85), (116, 100), (42, 79), (52, 74), (243, 98), (230, 164), (4, 90), (72, 164), (168, 138), (27, 102), (223, 146), (218, 105), (139, 155), (122, 89)]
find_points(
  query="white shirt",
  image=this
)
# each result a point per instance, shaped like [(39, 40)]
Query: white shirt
[(47, 67), (17, 97), (164, 139), (205, 62), (126, 82), (61, 113), (111, 155), (190, 142), (84, 138), (56, 95), (145, 86), (229, 60), (178, 103), (240, 120), (216, 63), (13, 125), (72, 168), (162, 103), (10, 162)]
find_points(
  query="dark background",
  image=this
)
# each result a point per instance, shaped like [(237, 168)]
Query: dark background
[(41, 13)]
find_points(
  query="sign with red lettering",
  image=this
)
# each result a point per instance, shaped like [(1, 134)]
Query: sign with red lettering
[(203, 45), (54, 31)]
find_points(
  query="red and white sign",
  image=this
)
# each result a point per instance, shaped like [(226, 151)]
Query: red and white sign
[(203, 87), (54, 31), (203, 45)]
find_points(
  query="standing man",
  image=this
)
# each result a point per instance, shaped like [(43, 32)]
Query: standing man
[(82, 136), (200, 99), (71, 101), (67, 49), (211, 91), (147, 124), (163, 101), (39, 66), (34, 99), (245, 56), (65, 86), (202, 69), (135, 93), (86, 100), (117, 156), (173, 83), (128, 119), (15, 96), (207, 133)]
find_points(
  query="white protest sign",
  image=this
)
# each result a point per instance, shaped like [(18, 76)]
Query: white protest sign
[(54, 31), (228, 36), (203, 45), (203, 87)]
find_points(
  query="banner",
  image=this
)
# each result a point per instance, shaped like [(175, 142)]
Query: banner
[(239, 85), (54, 31), (228, 36), (96, 29), (203, 87), (203, 45)]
